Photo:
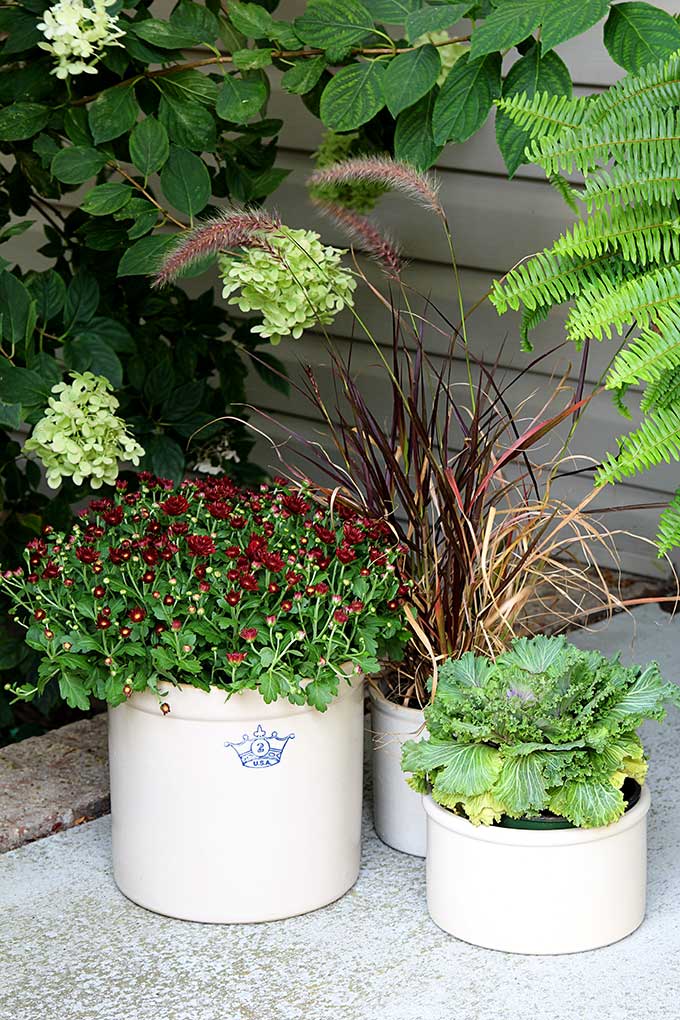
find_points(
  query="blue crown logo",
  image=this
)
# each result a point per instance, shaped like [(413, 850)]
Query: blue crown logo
[(262, 749)]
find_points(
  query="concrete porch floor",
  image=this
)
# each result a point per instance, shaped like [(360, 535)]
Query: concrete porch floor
[(73, 948)]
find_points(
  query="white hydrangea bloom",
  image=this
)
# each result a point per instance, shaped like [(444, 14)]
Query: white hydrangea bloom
[(80, 436), (448, 55), (294, 281), (77, 33), (211, 458)]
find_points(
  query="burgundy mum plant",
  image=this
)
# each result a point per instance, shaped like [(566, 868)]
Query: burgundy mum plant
[(207, 584)]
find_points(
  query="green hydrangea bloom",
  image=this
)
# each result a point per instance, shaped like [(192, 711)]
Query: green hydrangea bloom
[(295, 282), (361, 196), (80, 436), (447, 54)]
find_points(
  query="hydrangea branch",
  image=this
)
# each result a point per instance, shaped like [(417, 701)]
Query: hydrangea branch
[(135, 184), (304, 54)]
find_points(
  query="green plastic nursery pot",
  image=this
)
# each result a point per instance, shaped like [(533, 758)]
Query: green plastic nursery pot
[(538, 890)]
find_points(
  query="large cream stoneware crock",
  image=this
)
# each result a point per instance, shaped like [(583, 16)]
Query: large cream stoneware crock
[(528, 891), (398, 813), (235, 811)]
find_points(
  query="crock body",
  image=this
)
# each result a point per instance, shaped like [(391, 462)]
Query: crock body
[(398, 813), (235, 810), (526, 891)]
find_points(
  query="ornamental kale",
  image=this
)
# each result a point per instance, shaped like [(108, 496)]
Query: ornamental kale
[(545, 728), (209, 585)]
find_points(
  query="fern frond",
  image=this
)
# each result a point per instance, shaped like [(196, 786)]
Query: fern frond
[(544, 115), (617, 399), (668, 535), (623, 186), (565, 189), (530, 320), (642, 234), (620, 263), (547, 279), (657, 440), (657, 84), (655, 352), (599, 308), (644, 142), (663, 392)]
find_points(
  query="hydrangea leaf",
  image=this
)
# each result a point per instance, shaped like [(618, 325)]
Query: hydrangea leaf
[(149, 146), (186, 182), (196, 20), (639, 33), (393, 12), (164, 34), (432, 18), (252, 60), (253, 20), (303, 75), (106, 198), (510, 23), (240, 99), (465, 99), (82, 300), (113, 113), (187, 123), (77, 164), (409, 77), (86, 352), (334, 23), (413, 139), (17, 310), (569, 18), (353, 96), (22, 120), (145, 255)]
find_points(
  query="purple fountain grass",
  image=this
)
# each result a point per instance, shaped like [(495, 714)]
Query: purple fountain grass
[(383, 170), (364, 234), (232, 228)]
